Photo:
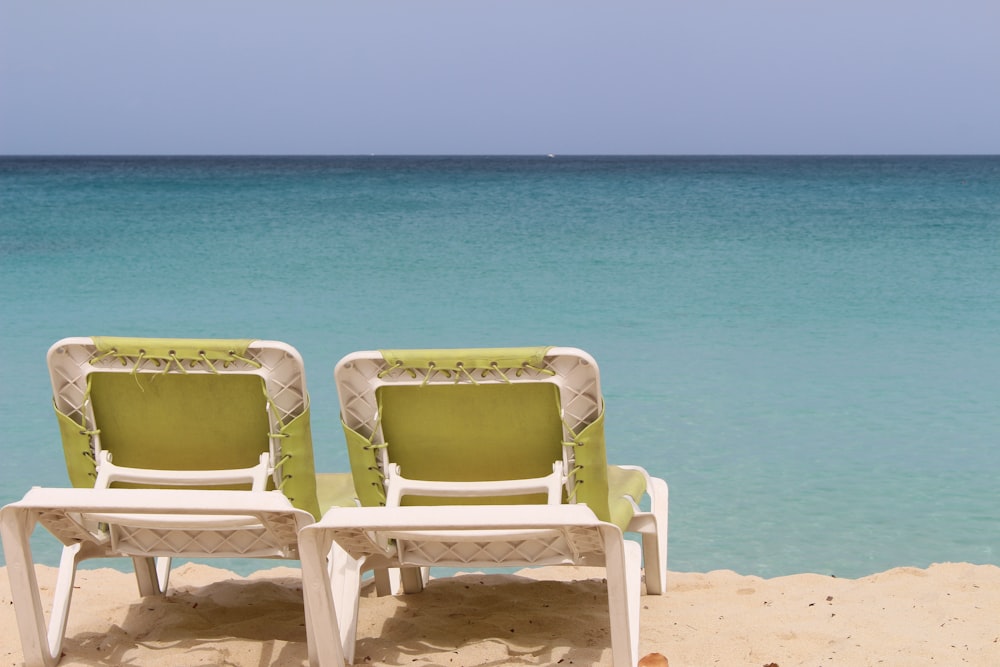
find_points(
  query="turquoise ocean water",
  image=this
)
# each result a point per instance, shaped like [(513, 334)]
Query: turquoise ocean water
[(805, 348)]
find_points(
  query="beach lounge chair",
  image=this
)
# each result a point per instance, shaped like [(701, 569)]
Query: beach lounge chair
[(174, 448), (447, 447)]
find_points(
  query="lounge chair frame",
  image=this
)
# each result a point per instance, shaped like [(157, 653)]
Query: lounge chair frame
[(563, 530), (151, 525)]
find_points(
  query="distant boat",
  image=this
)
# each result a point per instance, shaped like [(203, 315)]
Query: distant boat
[(552, 154)]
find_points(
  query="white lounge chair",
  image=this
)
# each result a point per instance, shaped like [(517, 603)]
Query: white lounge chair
[(447, 447), (193, 448)]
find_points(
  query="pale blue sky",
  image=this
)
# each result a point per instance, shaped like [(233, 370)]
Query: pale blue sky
[(499, 77)]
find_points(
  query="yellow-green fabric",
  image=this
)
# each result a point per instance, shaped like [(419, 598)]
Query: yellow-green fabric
[(624, 484), (335, 489), (602, 487), (299, 469), (466, 432), (173, 421), (167, 348), (187, 421), (76, 448), (364, 468), (592, 470), (503, 357)]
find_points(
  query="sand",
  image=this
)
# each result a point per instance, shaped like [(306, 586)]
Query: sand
[(948, 614)]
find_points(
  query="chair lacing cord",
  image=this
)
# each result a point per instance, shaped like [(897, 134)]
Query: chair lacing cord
[(576, 444), (90, 433), (395, 367), (571, 494), (246, 360), (176, 361), (381, 475), (431, 370), (495, 368), (208, 362), (284, 459), (460, 369), (538, 369), (135, 368), (101, 357), (89, 453), (379, 485)]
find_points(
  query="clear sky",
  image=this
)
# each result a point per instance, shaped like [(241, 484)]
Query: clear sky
[(499, 76)]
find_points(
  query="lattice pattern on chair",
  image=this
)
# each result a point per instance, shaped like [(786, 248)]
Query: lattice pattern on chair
[(284, 383), (578, 388), (572, 544), (250, 538), (69, 528), (69, 377), (244, 542), (550, 547), (360, 544)]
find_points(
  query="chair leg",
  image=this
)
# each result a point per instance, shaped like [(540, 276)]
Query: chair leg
[(633, 578), (386, 581), (325, 576), (345, 584), (397, 580), (413, 579), (41, 648), (624, 563), (152, 574), (654, 541)]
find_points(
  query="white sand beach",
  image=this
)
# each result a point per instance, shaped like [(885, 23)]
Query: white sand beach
[(944, 615)]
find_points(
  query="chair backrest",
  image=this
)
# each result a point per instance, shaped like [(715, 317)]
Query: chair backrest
[(185, 405), (475, 415)]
